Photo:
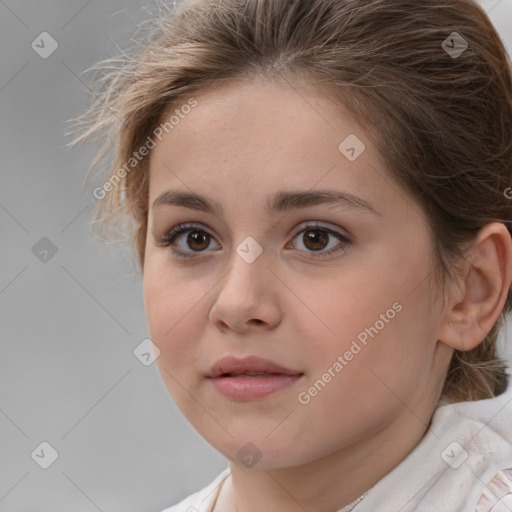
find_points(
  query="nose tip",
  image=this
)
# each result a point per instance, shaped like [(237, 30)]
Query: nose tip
[(245, 300)]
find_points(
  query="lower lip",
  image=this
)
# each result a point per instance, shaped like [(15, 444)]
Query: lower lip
[(245, 387)]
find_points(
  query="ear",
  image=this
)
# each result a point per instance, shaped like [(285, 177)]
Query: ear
[(477, 298)]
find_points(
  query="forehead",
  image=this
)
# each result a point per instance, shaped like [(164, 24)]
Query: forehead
[(247, 140)]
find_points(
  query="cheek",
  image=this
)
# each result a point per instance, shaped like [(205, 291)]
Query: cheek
[(344, 310), (383, 333), (377, 379), (396, 367), (174, 316)]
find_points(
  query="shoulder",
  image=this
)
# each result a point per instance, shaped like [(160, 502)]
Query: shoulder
[(202, 500), (497, 495)]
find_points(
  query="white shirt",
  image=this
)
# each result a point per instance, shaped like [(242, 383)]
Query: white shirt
[(462, 464)]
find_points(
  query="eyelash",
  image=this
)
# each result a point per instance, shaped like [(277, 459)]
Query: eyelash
[(168, 240)]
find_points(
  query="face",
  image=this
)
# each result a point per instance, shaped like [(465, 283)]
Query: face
[(337, 293)]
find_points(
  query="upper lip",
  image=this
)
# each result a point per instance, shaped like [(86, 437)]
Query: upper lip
[(235, 366)]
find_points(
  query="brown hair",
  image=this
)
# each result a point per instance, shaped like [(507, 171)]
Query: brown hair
[(442, 121)]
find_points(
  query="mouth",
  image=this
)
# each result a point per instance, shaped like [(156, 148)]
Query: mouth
[(250, 374), (250, 378), (249, 365)]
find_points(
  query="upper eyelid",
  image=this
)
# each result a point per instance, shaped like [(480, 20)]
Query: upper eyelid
[(320, 225)]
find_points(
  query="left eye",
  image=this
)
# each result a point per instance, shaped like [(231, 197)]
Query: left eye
[(315, 238)]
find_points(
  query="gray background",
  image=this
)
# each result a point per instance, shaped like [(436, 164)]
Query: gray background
[(70, 324)]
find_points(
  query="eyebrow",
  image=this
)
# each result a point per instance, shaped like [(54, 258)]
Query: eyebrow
[(279, 202)]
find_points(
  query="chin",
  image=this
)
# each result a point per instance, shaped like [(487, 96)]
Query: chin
[(260, 452)]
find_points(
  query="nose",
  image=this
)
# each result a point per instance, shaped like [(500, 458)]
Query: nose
[(247, 298)]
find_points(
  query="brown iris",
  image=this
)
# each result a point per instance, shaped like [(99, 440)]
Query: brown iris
[(198, 237), (316, 237)]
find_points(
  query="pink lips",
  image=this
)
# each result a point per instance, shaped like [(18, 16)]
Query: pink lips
[(236, 379)]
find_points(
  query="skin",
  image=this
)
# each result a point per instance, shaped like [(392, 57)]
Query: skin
[(246, 141)]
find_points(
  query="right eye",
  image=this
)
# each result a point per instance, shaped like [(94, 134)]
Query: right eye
[(197, 239)]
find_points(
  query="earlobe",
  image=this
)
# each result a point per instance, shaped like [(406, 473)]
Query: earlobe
[(477, 299)]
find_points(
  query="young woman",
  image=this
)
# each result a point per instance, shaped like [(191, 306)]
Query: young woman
[(320, 198)]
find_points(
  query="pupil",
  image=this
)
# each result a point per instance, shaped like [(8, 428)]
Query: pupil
[(315, 236), (195, 237)]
